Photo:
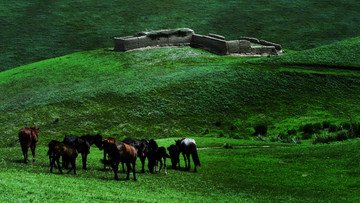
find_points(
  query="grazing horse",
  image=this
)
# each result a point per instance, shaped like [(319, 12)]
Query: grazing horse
[(188, 146), (28, 138), (121, 152), (89, 140), (57, 149), (155, 155), (142, 147), (108, 140), (174, 152)]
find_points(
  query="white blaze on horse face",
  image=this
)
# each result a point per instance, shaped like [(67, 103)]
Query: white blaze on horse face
[(188, 141)]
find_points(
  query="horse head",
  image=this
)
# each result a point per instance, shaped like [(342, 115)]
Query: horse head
[(98, 141)]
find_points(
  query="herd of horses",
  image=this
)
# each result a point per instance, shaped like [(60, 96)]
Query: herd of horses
[(125, 152)]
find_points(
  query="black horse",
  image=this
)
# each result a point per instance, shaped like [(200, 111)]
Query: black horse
[(187, 147), (143, 149), (88, 140), (156, 154), (174, 152)]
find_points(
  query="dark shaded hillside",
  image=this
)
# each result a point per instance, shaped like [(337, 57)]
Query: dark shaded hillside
[(167, 92), (38, 30)]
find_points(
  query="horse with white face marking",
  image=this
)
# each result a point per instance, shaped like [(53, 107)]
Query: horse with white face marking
[(187, 147)]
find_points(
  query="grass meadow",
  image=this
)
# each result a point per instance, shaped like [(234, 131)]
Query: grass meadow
[(280, 173)]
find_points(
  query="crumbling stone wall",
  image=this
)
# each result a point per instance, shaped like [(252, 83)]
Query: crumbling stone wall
[(186, 37), (208, 43), (176, 37)]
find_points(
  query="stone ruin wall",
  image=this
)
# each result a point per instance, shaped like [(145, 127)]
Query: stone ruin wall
[(186, 37)]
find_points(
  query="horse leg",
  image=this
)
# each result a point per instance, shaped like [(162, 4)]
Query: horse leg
[(142, 159), (25, 152), (65, 162), (33, 147), (72, 166), (52, 162), (115, 167), (134, 170), (58, 163), (128, 170), (156, 166), (104, 158), (123, 167), (184, 159), (84, 157), (178, 161), (188, 159), (165, 165), (195, 165), (161, 165)]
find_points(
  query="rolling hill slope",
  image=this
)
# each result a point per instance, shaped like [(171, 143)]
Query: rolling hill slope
[(344, 54), (167, 92)]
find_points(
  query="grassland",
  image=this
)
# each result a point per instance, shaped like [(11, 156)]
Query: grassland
[(169, 93), (38, 30), (296, 173)]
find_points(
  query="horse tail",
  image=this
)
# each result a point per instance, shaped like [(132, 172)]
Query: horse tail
[(196, 157)]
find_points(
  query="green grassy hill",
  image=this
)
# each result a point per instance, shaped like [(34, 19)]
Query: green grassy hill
[(344, 54), (38, 30), (168, 92)]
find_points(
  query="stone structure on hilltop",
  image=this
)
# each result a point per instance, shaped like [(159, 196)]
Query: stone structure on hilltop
[(186, 37)]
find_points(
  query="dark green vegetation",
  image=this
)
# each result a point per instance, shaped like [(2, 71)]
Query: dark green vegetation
[(298, 173), (35, 30)]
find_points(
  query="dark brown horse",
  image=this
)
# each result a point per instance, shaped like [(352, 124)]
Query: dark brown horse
[(108, 140), (187, 147), (121, 152), (67, 151), (28, 138), (143, 148)]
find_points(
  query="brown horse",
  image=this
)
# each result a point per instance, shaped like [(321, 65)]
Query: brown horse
[(121, 152), (108, 140), (28, 136)]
